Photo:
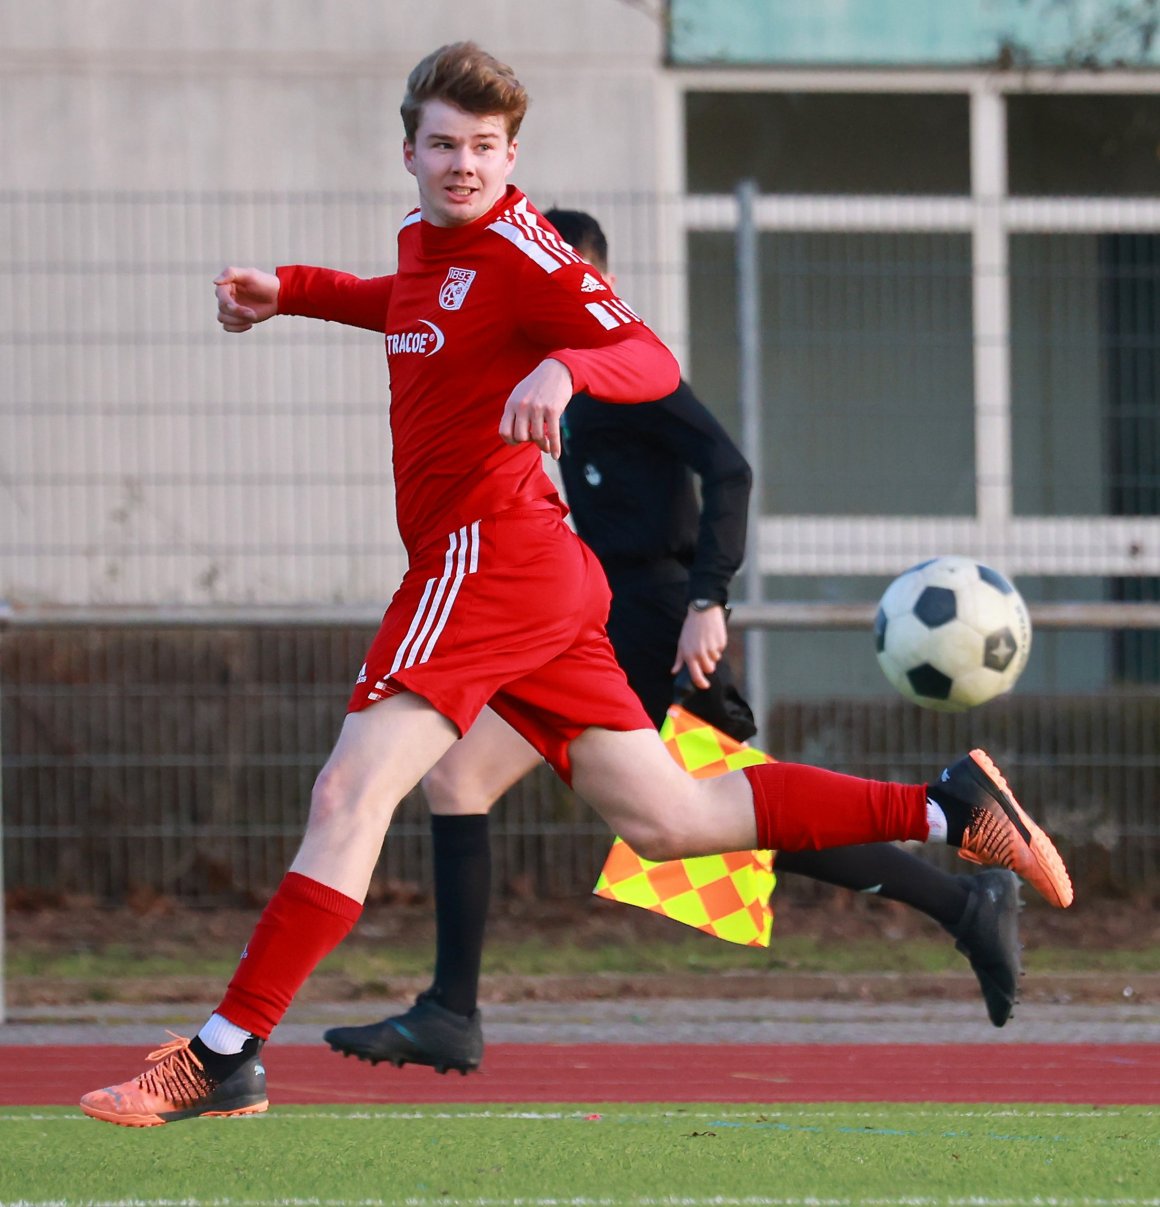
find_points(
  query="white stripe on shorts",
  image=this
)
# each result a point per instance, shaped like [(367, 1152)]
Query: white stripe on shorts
[(467, 564), (434, 610)]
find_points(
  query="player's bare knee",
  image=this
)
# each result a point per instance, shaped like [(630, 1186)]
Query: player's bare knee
[(444, 790), (337, 796), (327, 797), (452, 792)]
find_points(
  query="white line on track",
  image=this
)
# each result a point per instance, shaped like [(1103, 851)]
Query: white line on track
[(637, 1111)]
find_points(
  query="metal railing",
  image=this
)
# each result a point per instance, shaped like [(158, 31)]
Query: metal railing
[(173, 752)]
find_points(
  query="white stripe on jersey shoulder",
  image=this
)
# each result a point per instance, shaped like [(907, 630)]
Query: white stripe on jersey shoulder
[(612, 313), (621, 307), (521, 227), (410, 220)]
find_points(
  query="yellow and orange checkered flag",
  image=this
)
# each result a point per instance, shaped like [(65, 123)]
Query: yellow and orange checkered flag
[(724, 895)]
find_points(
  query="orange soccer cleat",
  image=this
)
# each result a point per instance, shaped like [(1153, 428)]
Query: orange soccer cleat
[(998, 831), (178, 1087)]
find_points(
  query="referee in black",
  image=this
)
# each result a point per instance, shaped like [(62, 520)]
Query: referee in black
[(631, 477)]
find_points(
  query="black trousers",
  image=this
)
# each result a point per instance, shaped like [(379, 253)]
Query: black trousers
[(649, 604)]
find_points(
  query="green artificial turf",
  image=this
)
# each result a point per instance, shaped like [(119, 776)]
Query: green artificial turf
[(1005, 1156)]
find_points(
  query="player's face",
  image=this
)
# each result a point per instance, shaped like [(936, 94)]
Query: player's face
[(461, 162)]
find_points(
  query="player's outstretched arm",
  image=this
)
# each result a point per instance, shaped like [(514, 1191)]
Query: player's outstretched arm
[(534, 407), (245, 296)]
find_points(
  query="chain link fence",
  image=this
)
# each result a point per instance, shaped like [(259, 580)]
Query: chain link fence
[(178, 760), (150, 464)]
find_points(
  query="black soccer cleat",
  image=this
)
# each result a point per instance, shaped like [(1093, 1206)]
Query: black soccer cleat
[(988, 935), (427, 1034)]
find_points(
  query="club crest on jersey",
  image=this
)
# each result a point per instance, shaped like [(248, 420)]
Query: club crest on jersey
[(454, 289)]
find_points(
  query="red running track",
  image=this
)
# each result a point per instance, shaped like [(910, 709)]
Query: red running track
[(1104, 1074)]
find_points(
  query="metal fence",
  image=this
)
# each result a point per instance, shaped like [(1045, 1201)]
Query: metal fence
[(908, 375), (146, 458), (177, 759)]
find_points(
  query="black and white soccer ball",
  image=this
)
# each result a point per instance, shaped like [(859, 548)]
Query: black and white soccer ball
[(952, 634)]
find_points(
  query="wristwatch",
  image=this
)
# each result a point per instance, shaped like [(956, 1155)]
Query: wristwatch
[(703, 605)]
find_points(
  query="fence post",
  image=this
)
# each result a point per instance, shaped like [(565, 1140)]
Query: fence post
[(750, 405), (991, 309), (5, 614)]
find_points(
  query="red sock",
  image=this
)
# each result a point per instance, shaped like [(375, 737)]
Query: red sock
[(800, 808), (304, 921)]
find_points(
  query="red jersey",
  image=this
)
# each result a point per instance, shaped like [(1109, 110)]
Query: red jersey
[(471, 311)]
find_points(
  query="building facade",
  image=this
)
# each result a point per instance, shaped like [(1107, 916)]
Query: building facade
[(957, 208)]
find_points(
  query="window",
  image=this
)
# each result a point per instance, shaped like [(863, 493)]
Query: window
[(828, 142), (1083, 146)]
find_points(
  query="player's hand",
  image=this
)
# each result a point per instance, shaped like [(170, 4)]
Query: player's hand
[(533, 409), (245, 296), (701, 644)]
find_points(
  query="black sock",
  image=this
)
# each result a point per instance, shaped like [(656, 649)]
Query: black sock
[(218, 1065), (957, 812), (461, 849), (887, 870)]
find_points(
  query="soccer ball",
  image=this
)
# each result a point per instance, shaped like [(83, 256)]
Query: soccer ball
[(952, 634)]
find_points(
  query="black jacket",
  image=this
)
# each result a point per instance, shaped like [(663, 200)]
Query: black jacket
[(630, 475)]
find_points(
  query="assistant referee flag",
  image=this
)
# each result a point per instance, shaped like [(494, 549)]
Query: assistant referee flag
[(724, 895)]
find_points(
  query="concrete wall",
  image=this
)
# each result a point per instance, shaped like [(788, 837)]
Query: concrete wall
[(144, 456), (304, 94)]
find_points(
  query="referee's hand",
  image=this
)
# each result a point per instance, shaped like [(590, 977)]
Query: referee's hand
[(701, 644)]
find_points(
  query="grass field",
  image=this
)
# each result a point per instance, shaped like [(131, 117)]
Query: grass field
[(654, 1154), (686, 951)]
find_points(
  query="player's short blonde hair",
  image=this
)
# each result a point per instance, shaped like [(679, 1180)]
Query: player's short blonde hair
[(464, 75)]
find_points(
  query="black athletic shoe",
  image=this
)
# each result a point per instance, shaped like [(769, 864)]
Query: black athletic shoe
[(427, 1034), (988, 935)]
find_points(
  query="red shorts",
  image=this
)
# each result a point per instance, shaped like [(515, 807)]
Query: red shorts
[(508, 612)]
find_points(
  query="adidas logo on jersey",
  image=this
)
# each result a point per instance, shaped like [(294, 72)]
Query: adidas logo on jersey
[(592, 284)]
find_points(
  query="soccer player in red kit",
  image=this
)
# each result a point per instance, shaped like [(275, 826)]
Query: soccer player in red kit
[(491, 324)]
